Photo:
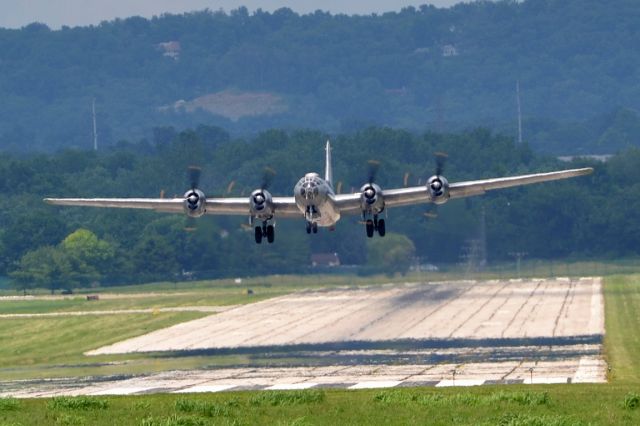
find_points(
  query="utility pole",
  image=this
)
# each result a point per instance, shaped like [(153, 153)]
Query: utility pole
[(518, 255), (95, 127), (519, 112)]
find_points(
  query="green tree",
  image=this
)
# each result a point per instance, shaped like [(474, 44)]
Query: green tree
[(88, 256), (393, 253), (44, 267)]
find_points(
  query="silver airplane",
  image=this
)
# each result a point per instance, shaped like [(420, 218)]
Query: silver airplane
[(315, 200)]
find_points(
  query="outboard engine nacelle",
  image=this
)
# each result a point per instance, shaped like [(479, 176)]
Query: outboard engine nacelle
[(195, 203), (371, 199), (261, 204), (438, 188)]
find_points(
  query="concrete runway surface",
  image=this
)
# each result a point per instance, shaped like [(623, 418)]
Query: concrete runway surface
[(429, 334)]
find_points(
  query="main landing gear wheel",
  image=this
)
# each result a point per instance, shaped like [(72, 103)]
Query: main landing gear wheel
[(375, 225), (369, 226), (265, 231), (270, 234), (312, 227)]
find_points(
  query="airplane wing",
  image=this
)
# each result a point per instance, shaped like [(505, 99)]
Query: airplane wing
[(350, 203), (283, 206)]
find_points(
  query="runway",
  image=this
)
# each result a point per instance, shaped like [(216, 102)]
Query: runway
[(425, 334)]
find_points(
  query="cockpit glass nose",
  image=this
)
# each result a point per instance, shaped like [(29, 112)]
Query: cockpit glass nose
[(309, 190)]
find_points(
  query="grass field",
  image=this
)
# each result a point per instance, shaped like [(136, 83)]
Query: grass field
[(617, 402)]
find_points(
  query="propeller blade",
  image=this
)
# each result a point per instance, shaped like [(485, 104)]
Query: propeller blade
[(431, 212), (230, 186), (441, 158), (194, 176), (373, 167), (190, 224), (405, 179), (267, 177), (339, 187)]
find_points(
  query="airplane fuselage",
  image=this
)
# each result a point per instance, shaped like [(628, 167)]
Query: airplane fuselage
[(316, 200)]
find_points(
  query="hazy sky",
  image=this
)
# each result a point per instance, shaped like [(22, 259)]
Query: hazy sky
[(55, 13)]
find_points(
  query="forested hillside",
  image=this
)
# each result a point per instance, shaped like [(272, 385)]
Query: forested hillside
[(592, 216), (421, 69)]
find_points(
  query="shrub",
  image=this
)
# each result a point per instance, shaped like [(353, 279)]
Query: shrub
[(77, 403), (631, 401)]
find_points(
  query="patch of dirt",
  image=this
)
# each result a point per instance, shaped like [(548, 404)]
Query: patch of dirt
[(234, 105)]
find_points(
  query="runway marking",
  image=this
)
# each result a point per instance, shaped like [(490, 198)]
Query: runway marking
[(121, 391), (547, 380), (292, 386), (206, 388), (376, 384), (460, 382)]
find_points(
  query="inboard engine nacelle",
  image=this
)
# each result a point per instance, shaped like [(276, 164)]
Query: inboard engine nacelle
[(371, 200), (261, 204)]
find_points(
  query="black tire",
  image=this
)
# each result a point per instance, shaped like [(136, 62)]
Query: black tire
[(308, 228), (369, 226), (270, 234), (258, 235), (381, 228), (315, 228)]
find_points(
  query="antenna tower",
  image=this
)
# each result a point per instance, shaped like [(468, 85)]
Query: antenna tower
[(519, 112), (95, 127)]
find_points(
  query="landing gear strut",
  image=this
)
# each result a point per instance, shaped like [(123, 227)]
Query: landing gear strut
[(375, 225), (265, 230)]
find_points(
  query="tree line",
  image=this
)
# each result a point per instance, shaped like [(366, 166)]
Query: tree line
[(593, 216)]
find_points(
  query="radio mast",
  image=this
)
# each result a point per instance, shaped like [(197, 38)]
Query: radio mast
[(519, 112), (95, 127)]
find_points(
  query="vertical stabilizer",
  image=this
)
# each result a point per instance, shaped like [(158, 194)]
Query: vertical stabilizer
[(328, 170)]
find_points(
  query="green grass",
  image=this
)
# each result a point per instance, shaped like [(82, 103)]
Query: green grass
[(622, 322), (134, 301), (617, 402), (513, 405), (54, 347)]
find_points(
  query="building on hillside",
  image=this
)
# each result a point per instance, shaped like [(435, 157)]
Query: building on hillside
[(449, 50), (170, 49)]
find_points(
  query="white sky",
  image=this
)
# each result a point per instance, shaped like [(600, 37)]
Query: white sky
[(55, 13)]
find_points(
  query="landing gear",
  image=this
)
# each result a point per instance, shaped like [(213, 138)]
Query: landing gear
[(375, 225), (265, 231), (370, 228), (312, 227)]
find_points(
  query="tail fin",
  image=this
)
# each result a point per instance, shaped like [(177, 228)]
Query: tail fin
[(328, 170)]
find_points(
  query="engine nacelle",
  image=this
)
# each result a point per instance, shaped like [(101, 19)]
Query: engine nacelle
[(371, 199), (195, 203), (261, 204), (438, 188)]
